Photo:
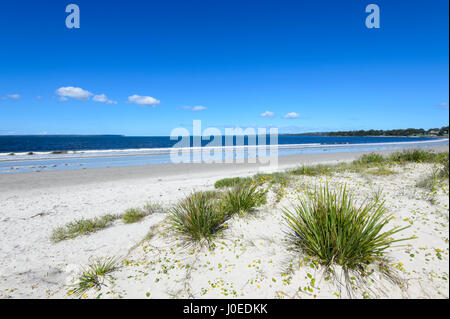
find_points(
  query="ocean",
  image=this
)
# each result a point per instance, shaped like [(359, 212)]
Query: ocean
[(60, 143), (45, 152)]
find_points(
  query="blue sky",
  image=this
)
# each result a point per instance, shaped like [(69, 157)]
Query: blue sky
[(145, 67)]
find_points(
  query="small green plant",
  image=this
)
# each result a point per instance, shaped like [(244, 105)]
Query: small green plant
[(197, 217), (377, 194), (133, 215), (372, 158), (94, 275), (241, 199), (417, 156), (431, 181), (82, 227), (315, 170), (279, 178), (329, 226), (380, 170), (151, 208), (230, 182), (444, 172)]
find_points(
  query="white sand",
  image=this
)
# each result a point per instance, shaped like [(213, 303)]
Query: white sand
[(252, 260)]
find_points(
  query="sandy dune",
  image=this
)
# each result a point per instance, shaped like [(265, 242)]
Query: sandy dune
[(252, 260)]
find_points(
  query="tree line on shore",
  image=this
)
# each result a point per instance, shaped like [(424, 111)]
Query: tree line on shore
[(443, 131)]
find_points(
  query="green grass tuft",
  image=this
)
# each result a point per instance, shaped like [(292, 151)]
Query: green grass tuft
[(329, 226), (372, 158), (230, 182), (242, 199), (133, 215), (314, 170), (280, 178), (94, 275), (443, 172), (82, 227), (418, 156), (380, 171), (198, 217)]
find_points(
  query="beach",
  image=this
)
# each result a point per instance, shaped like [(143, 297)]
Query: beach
[(252, 260)]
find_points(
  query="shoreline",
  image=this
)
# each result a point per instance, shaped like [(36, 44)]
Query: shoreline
[(167, 150), (165, 171)]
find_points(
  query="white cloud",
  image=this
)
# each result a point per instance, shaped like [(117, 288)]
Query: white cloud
[(13, 96), (38, 97), (444, 105), (74, 93), (198, 108), (143, 100), (102, 98), (195, 108), (291, 115), (268, 114)]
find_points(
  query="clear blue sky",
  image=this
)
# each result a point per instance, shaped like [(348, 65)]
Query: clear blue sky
[(224, 62)]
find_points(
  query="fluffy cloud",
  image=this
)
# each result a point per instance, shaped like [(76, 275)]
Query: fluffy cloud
[(102, 98), (74, 93), (291, 115), (143, 100), (268, 114)]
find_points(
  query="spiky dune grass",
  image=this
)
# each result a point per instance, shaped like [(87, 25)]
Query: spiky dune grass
[(330, 226), (94, 276), (229, 182), (82, 227), (202, 215), (133, 215), (87, 226), (198, 217)]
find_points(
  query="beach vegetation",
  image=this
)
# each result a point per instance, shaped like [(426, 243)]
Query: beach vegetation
[(418, 156), (198, 217), (431, 181), (329, 226), (314, 170), (82, 227), (444, 171), (280, 178), (242, 199), (380, 170), (95, 275), (372, 158), (133, 215), (230, 182)]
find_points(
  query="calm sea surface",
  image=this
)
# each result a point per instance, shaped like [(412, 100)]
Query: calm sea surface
[(45, 143)]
